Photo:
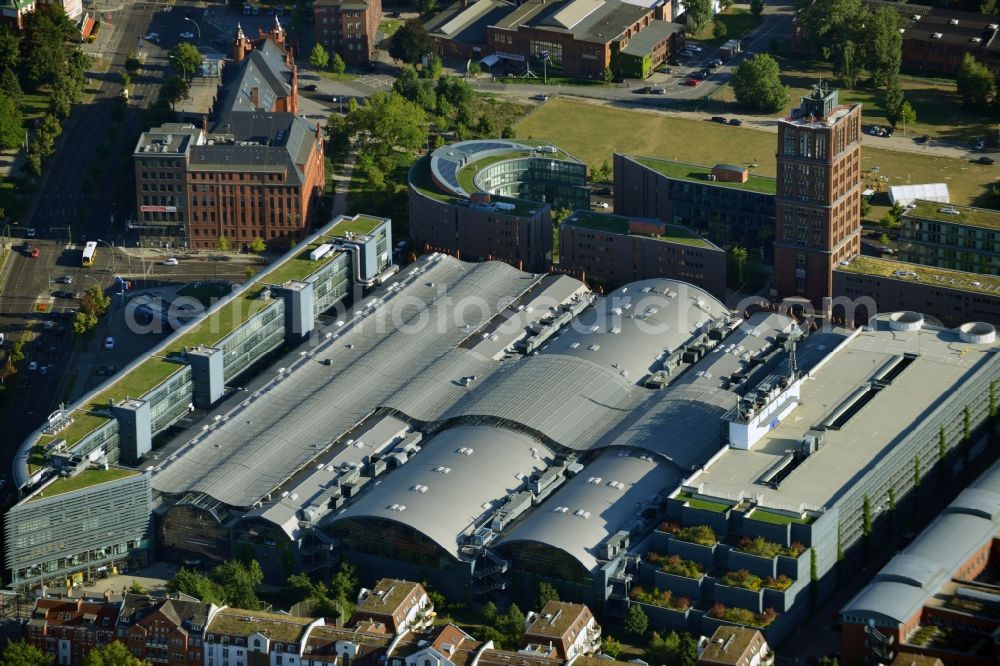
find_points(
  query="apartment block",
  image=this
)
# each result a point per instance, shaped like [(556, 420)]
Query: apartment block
[(348, 27), (960, 238)]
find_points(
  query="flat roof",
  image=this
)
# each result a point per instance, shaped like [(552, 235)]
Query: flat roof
[(699, 174), (359, 225), (277, 627), (647, 38), (619, 224), (85, 479), (930, 275), (942, 364), (968, 215)]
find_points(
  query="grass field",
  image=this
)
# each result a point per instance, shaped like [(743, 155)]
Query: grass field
[(738, 21), (598, 130)]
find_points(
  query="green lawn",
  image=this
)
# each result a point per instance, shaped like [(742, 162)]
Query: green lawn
[(364, 224), (718, 507), (777, 519), (85, 479), (738, 21), (390, 26), (596, 131), (34, 105), (697, 173)]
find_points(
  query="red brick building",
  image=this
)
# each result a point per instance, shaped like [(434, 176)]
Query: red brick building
[(163, 631), (68, 629), (262, 77), (348, 27), (817, 205)]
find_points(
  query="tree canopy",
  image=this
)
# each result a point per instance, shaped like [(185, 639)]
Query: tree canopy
[(884, 45), (756, 84), (318, 57), (233, 583), (113, 654), (188, 56), (975, 84), (21, 653), (698, 13), (11, 123), (411, 42), (672, 649), (386, 124)]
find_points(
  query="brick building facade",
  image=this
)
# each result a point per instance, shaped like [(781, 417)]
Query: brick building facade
[(348, 27)]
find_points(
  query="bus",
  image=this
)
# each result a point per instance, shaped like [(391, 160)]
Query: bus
[(89, 251)]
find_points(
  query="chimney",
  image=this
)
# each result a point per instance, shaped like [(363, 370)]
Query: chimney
[(255, 97)]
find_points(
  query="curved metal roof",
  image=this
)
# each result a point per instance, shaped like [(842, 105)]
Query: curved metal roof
[(610, 491), (442, 505), (448, 160), (634, 327)]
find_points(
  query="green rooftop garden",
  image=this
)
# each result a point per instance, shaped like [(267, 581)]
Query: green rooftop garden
[(301, 266), (655, 597), (987, 284), (703, 535), (676, 565), (361, 225), (977, 217), (619, 224), (707, 505), (420, 178), (761, 547), (778, 519), (85, 479), (699, 174)]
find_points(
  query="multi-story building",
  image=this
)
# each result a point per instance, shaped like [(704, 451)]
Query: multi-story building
[(397, 605), (583, 38), (164, 630), (13, 12), (562, 629), (264, 76), (482, 200), (348, 27), (73, 8), (818, 199), (235, 635), (735, 646), (68, 629), (960, 238), (937, 598), (725, 204), (614, 250)]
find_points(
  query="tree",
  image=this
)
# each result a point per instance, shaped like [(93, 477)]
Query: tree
[(884, 45), (16, 354), (757, 84), (10, 86), (132, 63), (740, 260), (222, 244), (893, 101), (174, 90), (636, 621), (126, 79), (426, 7), (511, 625), (136, 587), (10, 50), (975, 84), (719, 30), (546, 593), (673, 649), (411, 42), (698, 13), (988, 7), (757, 7), (20, 653), (834, 25), (866, 207), (11, 124), (337, 64), (846, 63), (197, 585), (238, 582), (374, 178), (112, 654), (94, 301), (490, 613), (387, 124), (866, 516), (611, 647), (318, 57), (257, 245), (908, 116), (188, 56)]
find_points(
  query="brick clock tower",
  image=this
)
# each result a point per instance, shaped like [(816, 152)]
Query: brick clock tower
[(818, 203)]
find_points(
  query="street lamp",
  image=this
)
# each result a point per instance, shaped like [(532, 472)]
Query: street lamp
[(196, 27), (545, 67), (181, 63)]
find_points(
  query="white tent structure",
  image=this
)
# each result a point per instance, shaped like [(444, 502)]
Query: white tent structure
[(907, 194)]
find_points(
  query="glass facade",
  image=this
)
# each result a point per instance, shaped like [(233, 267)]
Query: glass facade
[(331, 283), (169, 401), (560, 183), (263, 333)]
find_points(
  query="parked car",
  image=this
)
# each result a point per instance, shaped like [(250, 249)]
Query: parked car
[(735, 122), (66, 279), (541, 97), (2, 338), (715, 63), (719, 119), (657, 91), (172, 261), (48, 324), (923, 139), (44, 370), (692, 47), (310, 88), (187, 35), (601, 204), (152, 37), (33, 366), (642, 91), (109, 342), (692, 82), (985, 159), (26, 248)]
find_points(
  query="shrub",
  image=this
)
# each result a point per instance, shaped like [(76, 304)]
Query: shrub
[(796, 549), (700, 534), (678, 566), (670, 528), (662, 599), (744, 615), (759, 546), (742, 578), (782, 582)]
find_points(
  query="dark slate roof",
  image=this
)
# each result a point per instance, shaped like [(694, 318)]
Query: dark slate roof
[(264, 69)]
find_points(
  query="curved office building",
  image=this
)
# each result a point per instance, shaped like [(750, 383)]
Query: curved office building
[(492, 199)]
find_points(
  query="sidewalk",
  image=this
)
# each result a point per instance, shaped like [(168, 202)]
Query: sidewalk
[(342, 182)]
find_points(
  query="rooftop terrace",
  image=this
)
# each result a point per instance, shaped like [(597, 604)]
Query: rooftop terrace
[(976, 217), (387, 596), (941, 277), (699, 174), (85, 479), (619, 224), (282, 628), (359, 225)]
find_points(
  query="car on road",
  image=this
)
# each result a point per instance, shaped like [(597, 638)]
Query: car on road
[(657, 91), (66, 279), (310, 88), (985, 159), (172, 261), (923, 139), (33, 366), (152, 37), (187, 35), (47, 325), (719, 119), (31, 232), (980, 145), (715, 63), (701, 75), (641, 91), (64, 294), (2, 338), (26, 248), (692, 82), (601, 204), (44, 370), (540, 97), (35, 253), (109, 342), (735, 122)]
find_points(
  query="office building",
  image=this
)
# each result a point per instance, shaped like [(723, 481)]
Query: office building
[(614, 250), (818, 199), (348, 27), (960, 238), (937, 598), (482, 200), (724, 204), (583, 38)]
